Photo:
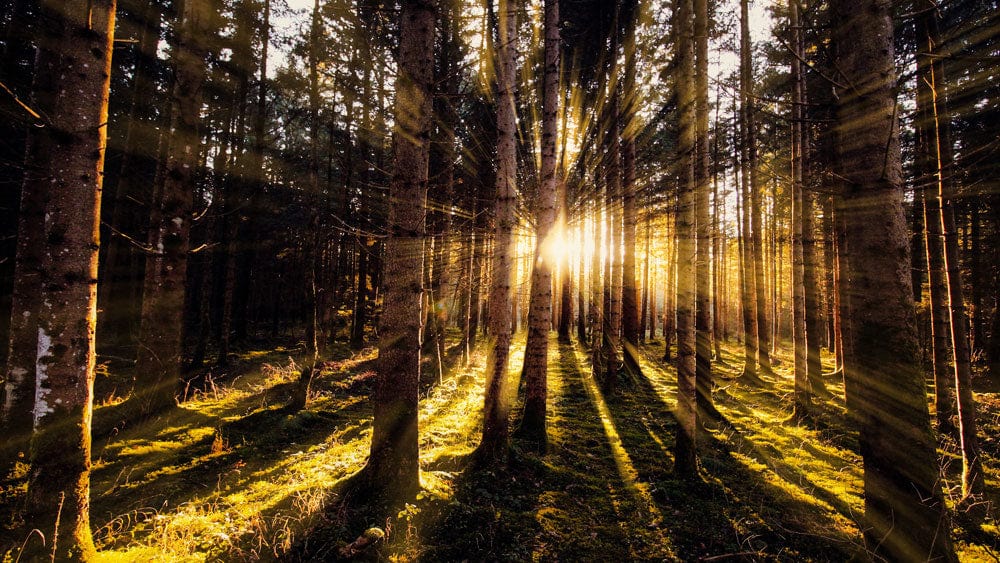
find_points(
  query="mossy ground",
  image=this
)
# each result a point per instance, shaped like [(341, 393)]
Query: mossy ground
[(234, 475)]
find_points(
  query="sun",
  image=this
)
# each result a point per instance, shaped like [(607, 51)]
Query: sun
[(557, 247)]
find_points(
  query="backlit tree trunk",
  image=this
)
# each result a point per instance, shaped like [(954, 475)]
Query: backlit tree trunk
[(310, 243), (802, 394), (905, 514), (630, 294), (393, 468), (75, 45), (540, 315), (19, 373), (160, 350), (703, 265), (611, 328), (810, 254), (685, 449), (748, 290), (497, 408), (939, 140), (926, 165)]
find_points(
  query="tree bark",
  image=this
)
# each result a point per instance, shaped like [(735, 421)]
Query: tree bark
[(631, 328), (393, 468), (940, 141), (540, 314), (75, 45), (19, 373), (613, 269), (905, 514), (496, 431), (685, 448), (810, 281), (748, 291), (310, 243), (703, 265), (926, 163), (803, 391), (160, 352)]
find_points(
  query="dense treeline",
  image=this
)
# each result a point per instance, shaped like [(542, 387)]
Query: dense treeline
[(184, 181)]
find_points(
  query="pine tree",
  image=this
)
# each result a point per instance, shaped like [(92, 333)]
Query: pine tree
[(393, 469), (75, 45), (905, 513), (496, 430), (539, 318)]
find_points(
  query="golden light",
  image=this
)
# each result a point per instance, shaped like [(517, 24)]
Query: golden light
[(556, 247)]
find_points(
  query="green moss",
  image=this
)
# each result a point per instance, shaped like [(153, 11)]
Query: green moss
[(603, 491)]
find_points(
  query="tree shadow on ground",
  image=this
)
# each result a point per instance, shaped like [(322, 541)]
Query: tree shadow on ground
[(740, 507), (241, 450), (569, 504)]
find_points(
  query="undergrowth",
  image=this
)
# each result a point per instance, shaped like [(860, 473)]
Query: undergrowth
[(233, 474)]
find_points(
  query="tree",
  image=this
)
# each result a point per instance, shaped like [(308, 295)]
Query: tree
[(703, 225), (121, 260), (393, 468), (631, 327), (22, 350), (927, 175), (540, 315), (613, 281), (75, 44), (803, 391), (905, 513), (937, 138), (748, 165), (496, 430), (685, 449), (311, 243), (160, 352)]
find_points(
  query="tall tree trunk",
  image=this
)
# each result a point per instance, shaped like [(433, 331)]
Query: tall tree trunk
[(685, 448), (653, 312), (703, 264), (756, 207), (646, 287), (393, 468), (669, 291), (905, 513), (972, 466), (810, 254), (630, 296), (810, 279), (582, 310), (718, 261), (940, 139), (598, 307), (310, 243), (803, 392), (941, 354), (540, 314), (829, 264), (611, 327), (748, 291), (138, 165), (75, 43), (19, 373), (496, 429), (756, 224), (160, 352), (565, 268)]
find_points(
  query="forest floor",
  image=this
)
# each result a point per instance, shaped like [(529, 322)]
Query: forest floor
[(232, 474)]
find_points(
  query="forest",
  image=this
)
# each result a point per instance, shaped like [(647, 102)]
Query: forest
[(511, 280)]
